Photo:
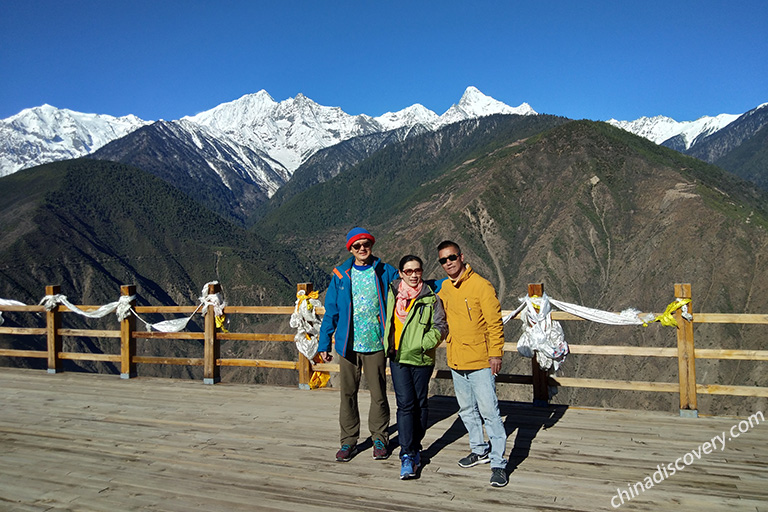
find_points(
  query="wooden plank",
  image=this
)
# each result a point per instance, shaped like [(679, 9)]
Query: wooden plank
[(23, 353), (605, 350), (635, 385), (748, 355), (186, 310), (326, 367), (717, 389), (169, 335), (24, 331), (262, 363), (259, 310), (254, 336), (90, 333), (81, 356), (191, 361), (23, 309), (729, 318)]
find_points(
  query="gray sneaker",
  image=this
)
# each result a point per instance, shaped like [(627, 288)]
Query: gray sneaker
[(473, 459), (499, 477)]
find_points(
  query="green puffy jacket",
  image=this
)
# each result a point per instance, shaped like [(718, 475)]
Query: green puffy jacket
[(425, 327)]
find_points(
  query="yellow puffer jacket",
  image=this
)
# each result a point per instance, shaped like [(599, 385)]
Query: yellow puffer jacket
[(475, 328)]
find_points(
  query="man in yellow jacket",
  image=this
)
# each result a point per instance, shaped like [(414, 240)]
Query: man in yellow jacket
[(474, 345)]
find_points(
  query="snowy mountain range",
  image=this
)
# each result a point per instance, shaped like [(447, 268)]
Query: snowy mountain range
[(45, 134), (287, 133), (259, 143), (293, 130), (660, 129)]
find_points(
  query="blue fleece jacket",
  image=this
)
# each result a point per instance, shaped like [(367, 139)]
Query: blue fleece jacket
[(338, 304)]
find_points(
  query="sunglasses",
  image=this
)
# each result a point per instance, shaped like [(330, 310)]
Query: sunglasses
[(452, 257), (411, 271), (367, 244)]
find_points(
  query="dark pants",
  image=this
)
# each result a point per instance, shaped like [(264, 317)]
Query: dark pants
[(411, 385), (374, 365)]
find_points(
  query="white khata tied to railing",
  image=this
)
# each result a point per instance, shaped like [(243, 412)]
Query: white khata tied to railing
[(541, 336), (544, 337), (214, 300), (304, 320), (8, 302), (122, 308)]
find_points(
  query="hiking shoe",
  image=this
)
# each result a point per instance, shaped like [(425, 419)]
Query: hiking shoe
[(499, 477), (407, 467), (380, 450), (346, 453), (474, 459)]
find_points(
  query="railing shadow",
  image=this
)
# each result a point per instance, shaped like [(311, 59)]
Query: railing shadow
[(442, 407)]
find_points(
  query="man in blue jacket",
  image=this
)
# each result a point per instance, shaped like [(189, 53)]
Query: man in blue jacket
[(355, 309)]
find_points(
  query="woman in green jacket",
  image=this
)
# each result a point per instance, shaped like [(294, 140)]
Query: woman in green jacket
[(415, 326)]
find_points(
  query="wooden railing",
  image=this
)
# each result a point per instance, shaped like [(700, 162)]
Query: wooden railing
[(685, 352)]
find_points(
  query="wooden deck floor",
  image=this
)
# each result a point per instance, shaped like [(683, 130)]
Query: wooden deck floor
[(96, 442)]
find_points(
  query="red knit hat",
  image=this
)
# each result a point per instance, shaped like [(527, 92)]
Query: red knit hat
[(356, 234)]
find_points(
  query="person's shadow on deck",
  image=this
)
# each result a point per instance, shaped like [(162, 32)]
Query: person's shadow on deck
[(523, 417), (528, 421)]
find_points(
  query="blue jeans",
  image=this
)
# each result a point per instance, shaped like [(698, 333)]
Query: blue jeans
[(476, 393), (411, 385)]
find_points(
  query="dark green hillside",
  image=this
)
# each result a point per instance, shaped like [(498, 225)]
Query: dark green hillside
[(91, 226), (749, 160), (329, 162), (603, 218), (380, 186)]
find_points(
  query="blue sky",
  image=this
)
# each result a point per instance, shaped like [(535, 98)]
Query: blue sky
[(581, 59)]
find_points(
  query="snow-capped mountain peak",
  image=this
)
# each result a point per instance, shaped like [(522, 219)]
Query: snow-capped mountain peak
[(661, 128), (475, 104), (478, 104), (410, 116), (44, 134)]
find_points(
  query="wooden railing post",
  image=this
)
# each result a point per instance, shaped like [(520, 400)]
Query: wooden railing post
[(127, 341), (540, 385), (211, 370), (52, 326), (686, 357), (305, 366)]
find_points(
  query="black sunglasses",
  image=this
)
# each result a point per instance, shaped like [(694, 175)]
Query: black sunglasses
[(452, 257), (367, 244)]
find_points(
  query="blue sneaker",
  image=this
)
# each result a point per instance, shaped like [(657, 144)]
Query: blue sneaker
[(407, 467)]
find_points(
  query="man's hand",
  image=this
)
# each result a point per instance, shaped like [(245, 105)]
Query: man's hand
[(328, 357), (495, 365)]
